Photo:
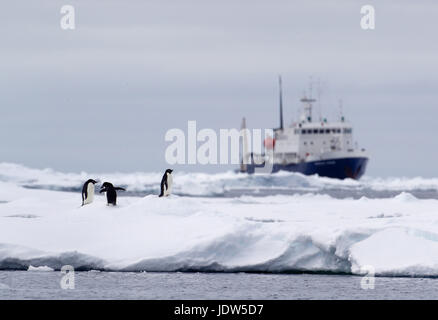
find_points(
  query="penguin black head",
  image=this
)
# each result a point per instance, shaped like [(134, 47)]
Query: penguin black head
[(169, 171), (91, 181), (106, 186)]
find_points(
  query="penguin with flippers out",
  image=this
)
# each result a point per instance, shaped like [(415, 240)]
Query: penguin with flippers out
[(166, 183), (88, 191), (111, 193)]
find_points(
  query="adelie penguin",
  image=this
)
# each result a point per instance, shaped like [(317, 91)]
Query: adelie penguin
[(111, 194), (166, 183), (88, 191)]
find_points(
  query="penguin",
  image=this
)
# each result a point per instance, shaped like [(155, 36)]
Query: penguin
[(111, 194), (88, 191), (166, 183)]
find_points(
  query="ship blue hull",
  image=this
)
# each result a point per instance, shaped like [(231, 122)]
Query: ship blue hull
[(341, 168)]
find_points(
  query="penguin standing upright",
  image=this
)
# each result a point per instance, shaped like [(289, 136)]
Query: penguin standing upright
[(166, 183), (88, 191), (111, 194)]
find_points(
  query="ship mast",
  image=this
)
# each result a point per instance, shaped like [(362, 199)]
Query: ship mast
[(244, 160), (308, 107), (308, 103), (341, 110), (281, 102)]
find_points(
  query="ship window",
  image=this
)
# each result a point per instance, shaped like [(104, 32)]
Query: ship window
[(303, 131), (327, 130), (305, 143), (311, 142), (321, 130), (347, 130), (315, 131), (338, 130)]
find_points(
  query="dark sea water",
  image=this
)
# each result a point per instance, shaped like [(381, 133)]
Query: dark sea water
[(127, 285), (333, 192)]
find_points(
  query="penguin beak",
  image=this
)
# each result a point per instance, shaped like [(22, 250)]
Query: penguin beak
[(102, 190)]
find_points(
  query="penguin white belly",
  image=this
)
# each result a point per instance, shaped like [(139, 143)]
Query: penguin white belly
[(169, 185), (90, 194)]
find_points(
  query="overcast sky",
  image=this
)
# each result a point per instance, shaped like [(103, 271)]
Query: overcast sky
[(101, 97)]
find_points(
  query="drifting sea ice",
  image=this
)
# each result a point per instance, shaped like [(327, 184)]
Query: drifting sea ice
[(283, 233)]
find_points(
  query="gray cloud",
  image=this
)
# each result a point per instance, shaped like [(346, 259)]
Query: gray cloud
[(101, 97)]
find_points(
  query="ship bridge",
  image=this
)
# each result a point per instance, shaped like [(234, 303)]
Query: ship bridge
[(305, 140)]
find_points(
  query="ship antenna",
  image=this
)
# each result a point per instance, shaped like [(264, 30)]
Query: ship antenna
[(341, 111), (307, 101), (319, 99), (310, 87), (281, 102)]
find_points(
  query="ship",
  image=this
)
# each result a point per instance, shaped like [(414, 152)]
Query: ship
[(309, 147)]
